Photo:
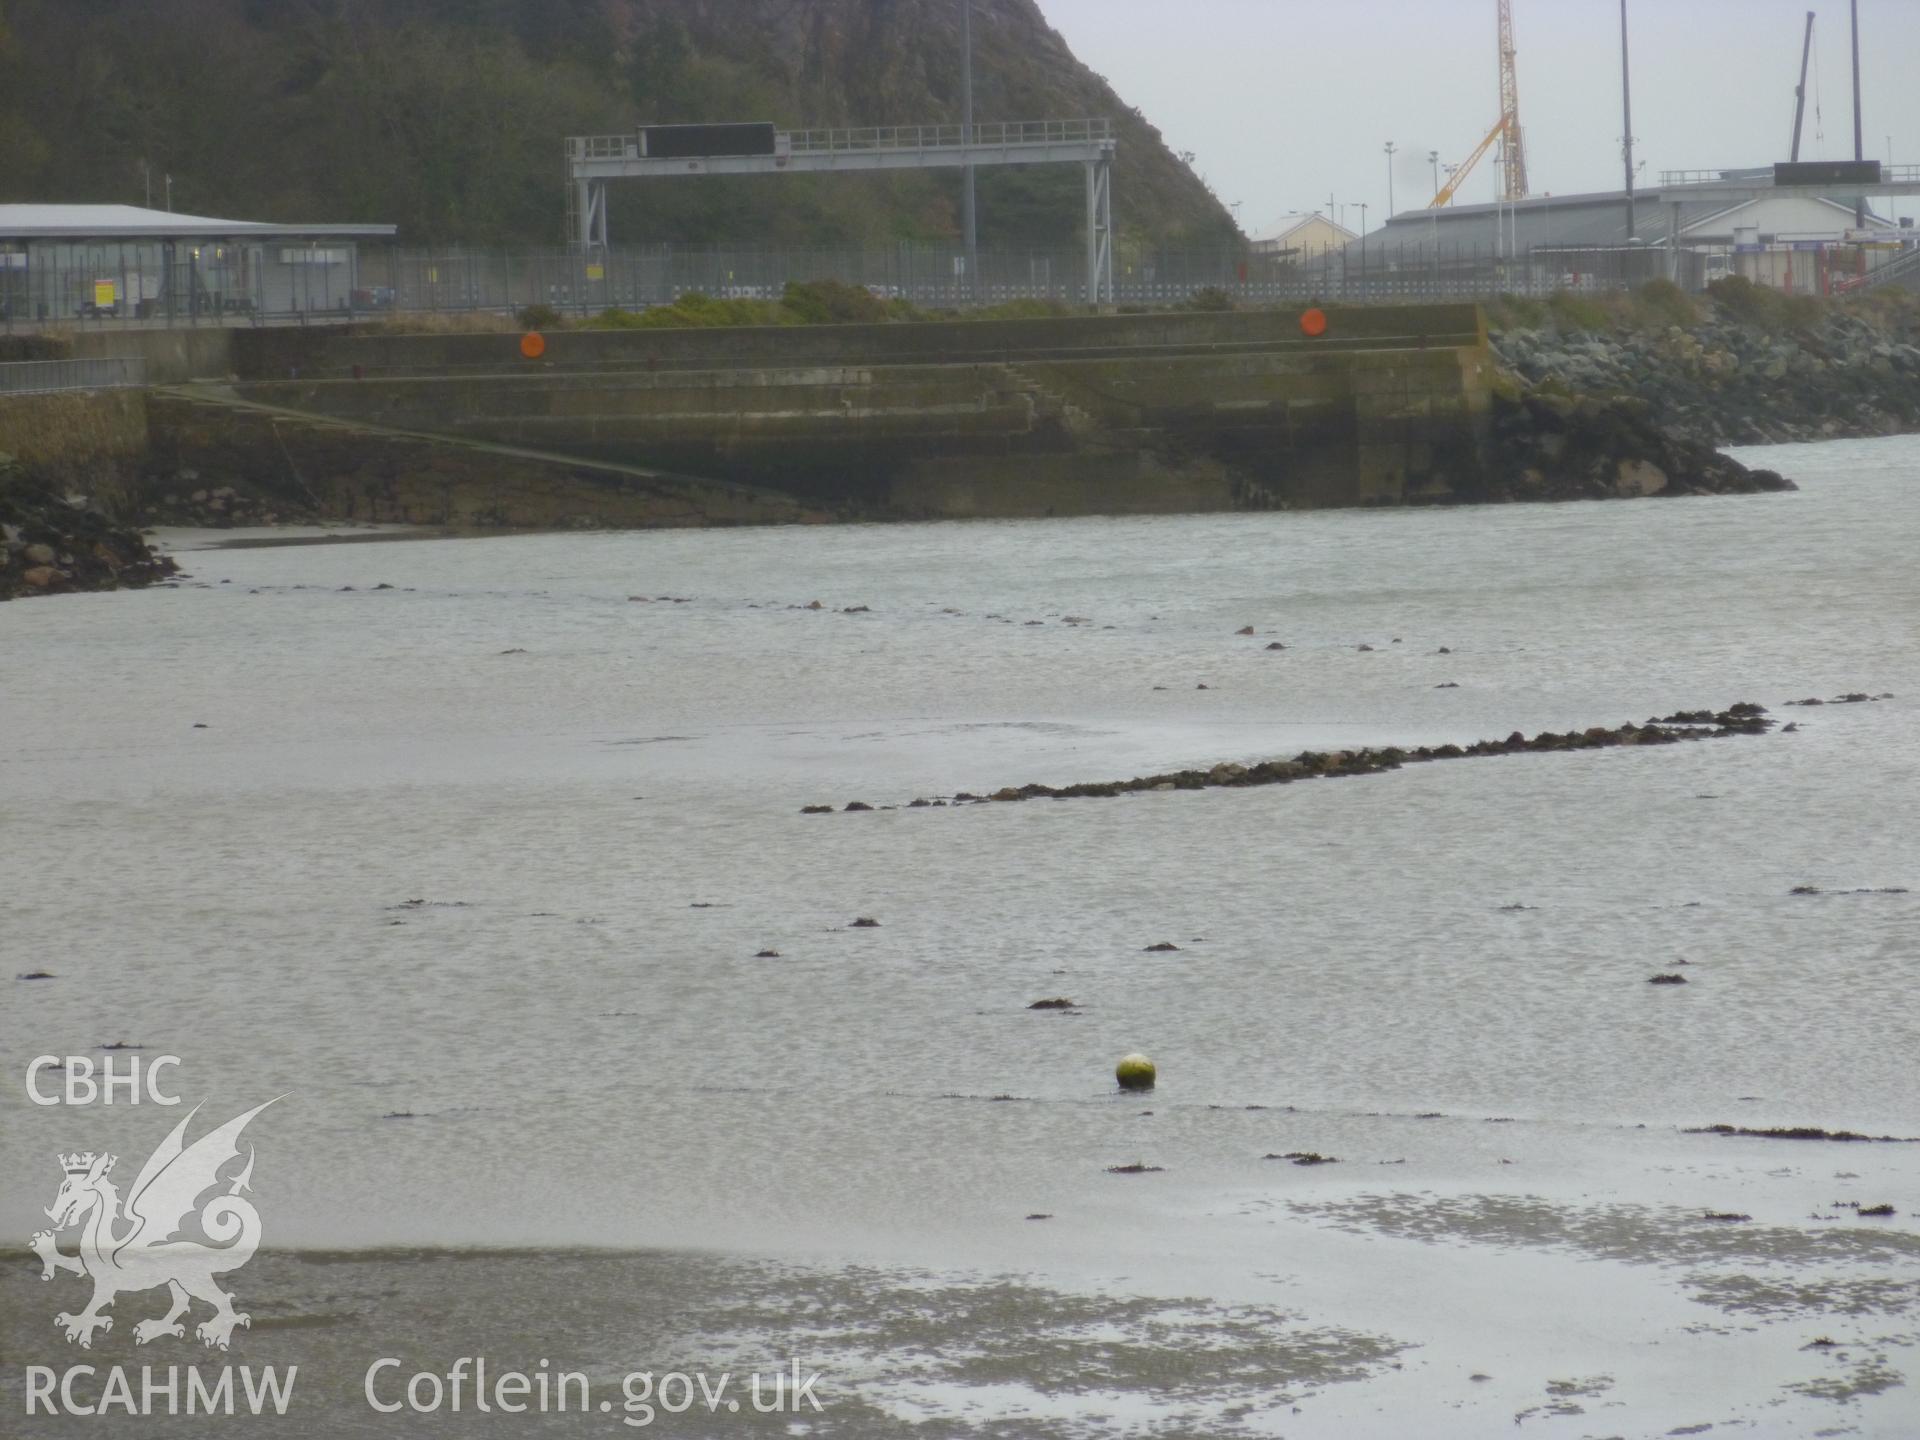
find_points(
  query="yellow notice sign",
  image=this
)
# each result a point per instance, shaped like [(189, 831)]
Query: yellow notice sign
[(103, 294), (596, 272)]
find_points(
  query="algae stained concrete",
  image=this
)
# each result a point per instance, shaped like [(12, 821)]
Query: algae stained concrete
[(92, 442), (367, 473), (335, 352), (171, 356), (1123, 414)]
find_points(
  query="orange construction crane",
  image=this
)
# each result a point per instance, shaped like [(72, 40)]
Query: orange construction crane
[(1516, 188), (1507, 127), (1459, 177)]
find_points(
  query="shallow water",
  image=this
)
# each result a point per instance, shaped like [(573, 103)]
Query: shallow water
[(596, 800)]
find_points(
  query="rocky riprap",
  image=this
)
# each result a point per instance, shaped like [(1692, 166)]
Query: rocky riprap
[(1731, 381), (1800, 1132), (52, 541), (1549, 446), (1744, 718), (184, 498)]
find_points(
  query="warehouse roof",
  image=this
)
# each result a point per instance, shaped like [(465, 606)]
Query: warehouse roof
[(1287, 224), (1548, 221), (130, 222)]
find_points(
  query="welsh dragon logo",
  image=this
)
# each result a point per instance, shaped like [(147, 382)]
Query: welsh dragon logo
[(139, 1246)]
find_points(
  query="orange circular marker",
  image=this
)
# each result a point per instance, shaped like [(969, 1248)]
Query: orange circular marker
[(1314, 323), (533, 345)]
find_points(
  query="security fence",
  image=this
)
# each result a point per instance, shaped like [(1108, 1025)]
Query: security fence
[(937, 277), (307, 284), (75, 284), (40, 377)]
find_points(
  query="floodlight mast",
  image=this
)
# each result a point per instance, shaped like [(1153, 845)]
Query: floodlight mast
[(1800, 90)]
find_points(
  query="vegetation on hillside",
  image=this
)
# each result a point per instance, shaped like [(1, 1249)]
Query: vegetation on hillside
[(446, 116)]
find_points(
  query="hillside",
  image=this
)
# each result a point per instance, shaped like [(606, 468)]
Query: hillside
[(446, 116)]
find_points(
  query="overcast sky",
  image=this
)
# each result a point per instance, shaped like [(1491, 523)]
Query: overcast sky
[(1284, 102)]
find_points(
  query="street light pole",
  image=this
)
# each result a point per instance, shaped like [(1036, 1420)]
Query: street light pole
[(966, 138), (1859, 143), (1390, 149), (1363, 249), (1626, 109), (1433, 216)]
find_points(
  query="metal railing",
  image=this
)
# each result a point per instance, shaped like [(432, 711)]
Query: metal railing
[(1889, 175), (995, 133), (1901, 271), (603, 147), (42, 377), (1715, 177)]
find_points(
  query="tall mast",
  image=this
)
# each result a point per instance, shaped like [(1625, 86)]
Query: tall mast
[(1516, 177), (969, 222), (1626, 120), (1800, 90), (1859, 143)]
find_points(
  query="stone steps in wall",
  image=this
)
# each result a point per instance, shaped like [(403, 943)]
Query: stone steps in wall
[(1052, 402)]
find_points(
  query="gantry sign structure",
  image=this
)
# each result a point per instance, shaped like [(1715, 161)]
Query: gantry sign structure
[(662, 152), (1805, 179)]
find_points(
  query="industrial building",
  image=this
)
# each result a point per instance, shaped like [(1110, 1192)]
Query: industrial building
[(1300, 239), (65, 263), (1800, 226), (1803, 244)]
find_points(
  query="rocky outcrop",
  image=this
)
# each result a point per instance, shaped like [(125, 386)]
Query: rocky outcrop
[(1743, 718), (1549, 446), (1821, 372), (184, 497), (52, 540)]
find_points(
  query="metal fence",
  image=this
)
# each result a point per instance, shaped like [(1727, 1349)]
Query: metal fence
[(938, 277), (1905, 270), (309, 285), (69, 285), (41, 377)]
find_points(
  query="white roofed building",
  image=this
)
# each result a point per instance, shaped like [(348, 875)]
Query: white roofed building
[(60, 263), (1802, 243), (1300, 239)]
